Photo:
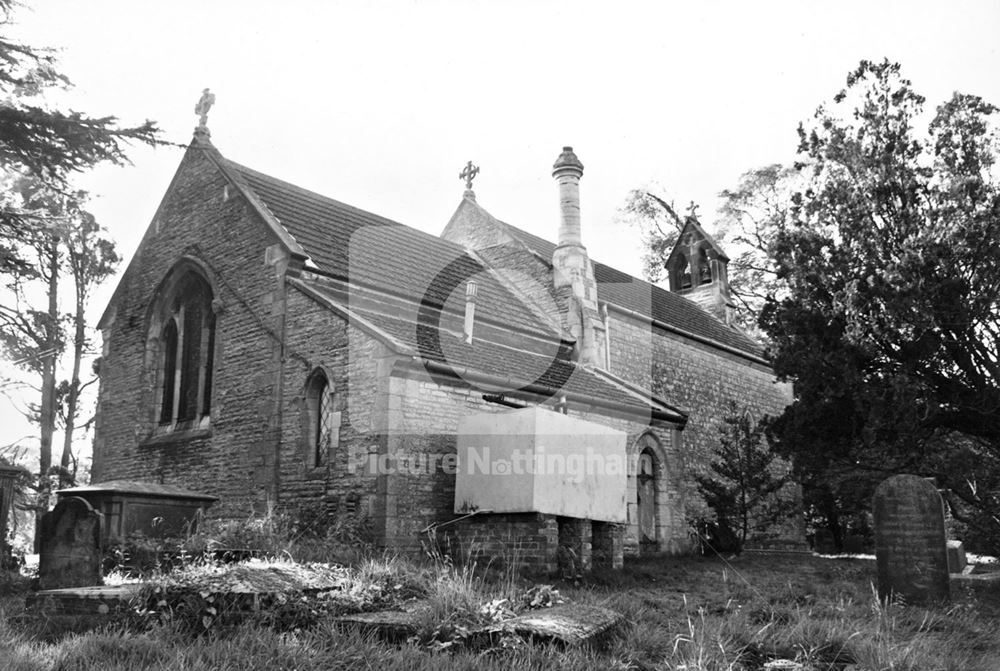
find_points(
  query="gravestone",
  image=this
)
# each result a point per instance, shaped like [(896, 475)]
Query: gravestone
[(8, 479), (956, 557), (910, 541), (70, 546)]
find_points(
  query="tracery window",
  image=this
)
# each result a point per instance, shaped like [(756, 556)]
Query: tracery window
[(187, 353)]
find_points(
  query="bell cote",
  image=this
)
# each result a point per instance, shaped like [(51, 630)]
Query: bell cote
[(697, 269)]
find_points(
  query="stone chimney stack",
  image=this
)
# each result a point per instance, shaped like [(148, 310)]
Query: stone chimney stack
[(568, 170), (572, 271)]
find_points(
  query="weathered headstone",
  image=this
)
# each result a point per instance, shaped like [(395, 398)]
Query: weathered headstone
[(956, 557), (8, 478), (910, 541), (70, 546)]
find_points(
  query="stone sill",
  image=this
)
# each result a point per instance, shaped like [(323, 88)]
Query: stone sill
[(176, 437), (314, 473)]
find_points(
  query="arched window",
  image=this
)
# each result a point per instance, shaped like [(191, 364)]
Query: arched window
[(322, 420), (186, 352), (683, 273), (646, 486), (704, 267)]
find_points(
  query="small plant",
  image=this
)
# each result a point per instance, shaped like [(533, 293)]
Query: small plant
[(742, 487)]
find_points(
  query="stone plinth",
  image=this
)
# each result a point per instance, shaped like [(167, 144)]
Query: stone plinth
[(529, 541), (910, 541), (956, 557), (608, 542), (575, 546)]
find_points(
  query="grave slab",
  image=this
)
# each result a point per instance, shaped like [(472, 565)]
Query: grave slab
[(571, 624)]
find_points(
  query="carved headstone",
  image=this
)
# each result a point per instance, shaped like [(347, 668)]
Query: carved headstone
[(910, 541), (70, 546)]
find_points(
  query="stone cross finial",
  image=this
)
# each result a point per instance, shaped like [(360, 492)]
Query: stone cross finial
[(468, 174), (204, 105), (692, 210)]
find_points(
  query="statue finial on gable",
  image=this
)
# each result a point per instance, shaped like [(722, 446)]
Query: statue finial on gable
[(201, 109)]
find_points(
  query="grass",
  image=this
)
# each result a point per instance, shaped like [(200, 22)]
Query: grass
[(683, 613)]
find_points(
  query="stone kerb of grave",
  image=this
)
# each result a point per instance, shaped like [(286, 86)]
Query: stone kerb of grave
[(70, 546), (910, 546)]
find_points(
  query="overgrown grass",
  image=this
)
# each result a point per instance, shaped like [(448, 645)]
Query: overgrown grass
[(692, 614)]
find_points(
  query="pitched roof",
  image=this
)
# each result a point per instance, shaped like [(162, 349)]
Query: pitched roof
[(364, 248), (532, 364), (377, 253), (637, 295)]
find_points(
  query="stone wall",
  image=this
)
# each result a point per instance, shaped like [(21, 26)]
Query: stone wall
[(317, 338), (422, 424), (235, 458), (701, 380)]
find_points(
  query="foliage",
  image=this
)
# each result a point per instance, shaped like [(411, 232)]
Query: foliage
[(660, 226), (891, 323), (44, 142), (681, 613), (42, 221), (65, 242), (750, 215), (741, 488)]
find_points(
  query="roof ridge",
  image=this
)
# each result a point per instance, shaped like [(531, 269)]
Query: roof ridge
[(284, 184), (655, 290)]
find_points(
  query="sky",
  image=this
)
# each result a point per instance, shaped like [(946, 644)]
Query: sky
[(381, 104)]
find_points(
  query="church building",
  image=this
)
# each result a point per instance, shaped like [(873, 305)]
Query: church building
[(267, 344)]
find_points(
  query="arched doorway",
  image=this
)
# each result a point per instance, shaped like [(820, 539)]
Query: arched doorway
[(646, 500)]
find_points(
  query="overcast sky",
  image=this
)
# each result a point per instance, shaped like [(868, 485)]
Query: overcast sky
[(380, 104)]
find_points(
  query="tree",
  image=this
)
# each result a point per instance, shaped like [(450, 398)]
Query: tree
[(660, 225), (40, 150), (891, 259), (45, 143), (91, 258), (742, 484), (750, 215)]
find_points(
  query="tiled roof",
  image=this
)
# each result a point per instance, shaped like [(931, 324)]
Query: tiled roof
[(344, 241), (539, 365), (632, 293), (377, 253)]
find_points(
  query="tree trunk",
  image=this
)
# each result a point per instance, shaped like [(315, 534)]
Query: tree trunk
[(47, 414), (67, 477)]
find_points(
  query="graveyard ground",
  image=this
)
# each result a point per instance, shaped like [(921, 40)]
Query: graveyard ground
[(680, 613)]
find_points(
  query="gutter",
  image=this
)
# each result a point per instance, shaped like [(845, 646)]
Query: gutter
[(544, 390)]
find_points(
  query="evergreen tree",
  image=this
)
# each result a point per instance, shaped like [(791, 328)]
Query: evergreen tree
[(41, 148), (741, 485), (891, 322)]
